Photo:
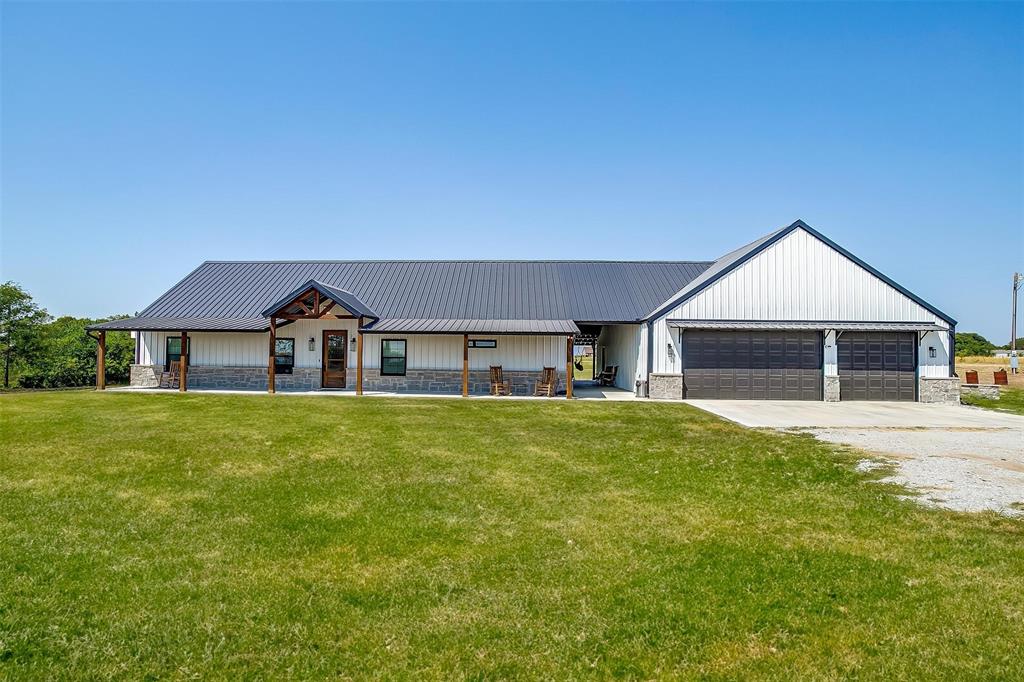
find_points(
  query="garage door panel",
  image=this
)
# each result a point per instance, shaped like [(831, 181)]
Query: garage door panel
[(877, 366), (752, 365)]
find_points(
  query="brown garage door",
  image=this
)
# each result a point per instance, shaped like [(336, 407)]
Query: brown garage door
[(752, 365), (877, 366)]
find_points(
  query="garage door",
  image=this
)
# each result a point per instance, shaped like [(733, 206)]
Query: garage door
[(752, 365), (877, 366)]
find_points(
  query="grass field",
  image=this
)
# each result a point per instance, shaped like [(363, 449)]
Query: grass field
[(1010, 400), (225, 536), (985, 367), (587, 373)]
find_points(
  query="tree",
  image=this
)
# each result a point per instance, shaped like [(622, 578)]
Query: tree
[(1020, 345), (67, 356), (20, 319), (972, 343)]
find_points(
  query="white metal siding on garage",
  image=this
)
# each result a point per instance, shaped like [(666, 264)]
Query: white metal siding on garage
[(801, 278), (229, 349)]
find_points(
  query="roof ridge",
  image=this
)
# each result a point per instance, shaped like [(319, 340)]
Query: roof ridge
[(462, 260)]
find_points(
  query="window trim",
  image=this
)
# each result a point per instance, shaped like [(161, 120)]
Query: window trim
[(167, 351), (277, 368), (405, 358), (487, 344)]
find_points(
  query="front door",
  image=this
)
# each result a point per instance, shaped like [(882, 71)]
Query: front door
[(334, 361)]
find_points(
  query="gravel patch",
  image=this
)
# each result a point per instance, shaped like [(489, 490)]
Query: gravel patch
[(960, 469)]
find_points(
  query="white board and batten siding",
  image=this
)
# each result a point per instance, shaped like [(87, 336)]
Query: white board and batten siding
[(423, 351), (801, 277)]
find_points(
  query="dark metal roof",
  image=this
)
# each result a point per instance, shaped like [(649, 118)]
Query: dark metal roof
[(591, 291), (550, 327), (185, 324), (806, 324), (346, 299)]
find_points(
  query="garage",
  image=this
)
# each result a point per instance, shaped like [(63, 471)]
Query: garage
[(752, 365), (877, 366)]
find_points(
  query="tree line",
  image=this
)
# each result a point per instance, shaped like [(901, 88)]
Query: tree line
[(973, 344), (41, 351)]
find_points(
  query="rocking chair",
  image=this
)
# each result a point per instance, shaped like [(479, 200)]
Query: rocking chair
[(607, 377), (171, 378), (548, 383), (498, 384)]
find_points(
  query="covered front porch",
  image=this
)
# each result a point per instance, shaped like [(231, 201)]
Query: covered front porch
[(319, 338)]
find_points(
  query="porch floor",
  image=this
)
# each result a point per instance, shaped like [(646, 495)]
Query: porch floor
[(579, 393)]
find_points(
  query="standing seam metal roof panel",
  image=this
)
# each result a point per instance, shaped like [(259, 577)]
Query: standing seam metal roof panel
[(595, 291)]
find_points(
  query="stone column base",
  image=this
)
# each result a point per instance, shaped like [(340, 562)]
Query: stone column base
[(831, 389), (145, 376), (943, 390), (665, 386)]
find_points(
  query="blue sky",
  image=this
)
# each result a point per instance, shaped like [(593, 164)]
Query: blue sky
[(141, 139)]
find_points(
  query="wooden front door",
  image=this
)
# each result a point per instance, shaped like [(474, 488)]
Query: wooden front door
[(335, 345)]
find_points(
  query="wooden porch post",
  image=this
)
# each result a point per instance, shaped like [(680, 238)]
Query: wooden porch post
[(568, 367), (183, 364), (101, 361), (273, 352), (359, 358), (465, 365)]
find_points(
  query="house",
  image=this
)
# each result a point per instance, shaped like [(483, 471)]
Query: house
[(790, 316)]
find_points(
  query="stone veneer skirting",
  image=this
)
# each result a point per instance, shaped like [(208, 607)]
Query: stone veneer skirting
[(521, 382), (939, 390), (231, 378), (990, 391)]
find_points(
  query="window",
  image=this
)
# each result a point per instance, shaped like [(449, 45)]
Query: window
[(392, 357), (173, 352), (284, 355), (483, 343)]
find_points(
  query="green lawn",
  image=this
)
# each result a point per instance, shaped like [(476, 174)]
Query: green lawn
[(1010, 400), (199, 536)]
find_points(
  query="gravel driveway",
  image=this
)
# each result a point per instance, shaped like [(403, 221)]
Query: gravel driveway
[(965, 470), (956, 457)]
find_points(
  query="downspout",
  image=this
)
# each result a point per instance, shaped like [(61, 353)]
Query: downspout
[(650, 356), (952, 350)]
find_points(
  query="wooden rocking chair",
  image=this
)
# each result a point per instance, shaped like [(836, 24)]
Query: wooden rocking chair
[(171, 378), (498, 384), (607, 377), (548, 384)]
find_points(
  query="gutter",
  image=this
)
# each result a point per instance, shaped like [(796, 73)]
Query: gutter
[(650, 350)]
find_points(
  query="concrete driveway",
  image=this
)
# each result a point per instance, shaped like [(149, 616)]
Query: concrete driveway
[(789, 414), (956, 457)]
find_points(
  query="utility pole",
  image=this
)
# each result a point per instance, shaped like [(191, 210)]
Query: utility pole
[(1018, 279)]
